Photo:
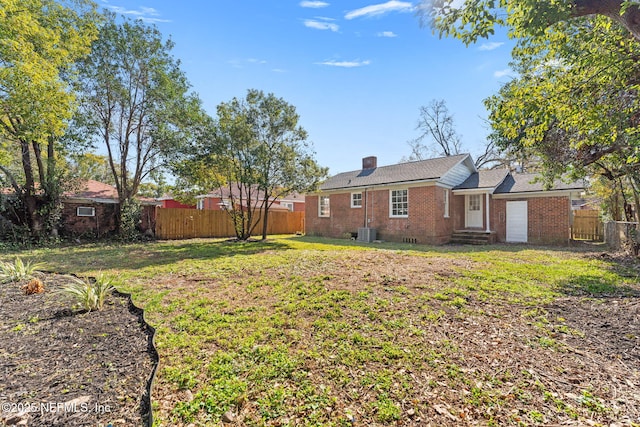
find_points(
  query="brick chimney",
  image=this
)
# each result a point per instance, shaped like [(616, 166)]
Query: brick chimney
[(370, 162)]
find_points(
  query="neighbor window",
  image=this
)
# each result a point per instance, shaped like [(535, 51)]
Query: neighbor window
[(446, 203), (287, 205), (356, 200), (399, 206), (323, 206), (85, 211), (200, 204)]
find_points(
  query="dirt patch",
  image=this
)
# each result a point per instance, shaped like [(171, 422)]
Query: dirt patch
[(64, 367)]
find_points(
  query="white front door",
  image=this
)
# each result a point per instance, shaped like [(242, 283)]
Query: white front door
[(473, 209), (517, 222)]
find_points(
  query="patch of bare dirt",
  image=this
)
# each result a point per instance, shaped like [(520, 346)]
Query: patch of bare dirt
[(64, 367)]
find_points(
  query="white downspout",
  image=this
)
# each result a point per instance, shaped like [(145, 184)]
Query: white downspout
[(488, 214)]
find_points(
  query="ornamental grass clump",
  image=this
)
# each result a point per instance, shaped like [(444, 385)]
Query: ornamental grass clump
[(17, 271), (90, 294)]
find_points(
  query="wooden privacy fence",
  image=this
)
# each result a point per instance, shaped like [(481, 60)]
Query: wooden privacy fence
[(587, 225), (173, 224)]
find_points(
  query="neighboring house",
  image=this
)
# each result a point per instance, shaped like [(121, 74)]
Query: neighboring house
[(92, 210), (438, 200), (219, 199), (167, 201)]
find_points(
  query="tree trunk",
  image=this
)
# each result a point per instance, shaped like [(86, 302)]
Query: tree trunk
[(264, 221)]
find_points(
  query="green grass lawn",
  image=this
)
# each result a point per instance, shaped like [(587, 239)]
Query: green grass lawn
[(303, 331)]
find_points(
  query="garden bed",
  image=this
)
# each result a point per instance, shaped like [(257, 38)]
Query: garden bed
[(60, 366)]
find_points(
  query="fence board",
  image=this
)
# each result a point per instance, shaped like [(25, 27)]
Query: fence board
[(173, 224), (587, 225)]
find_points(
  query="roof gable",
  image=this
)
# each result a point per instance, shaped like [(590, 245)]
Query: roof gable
[(422, 170)]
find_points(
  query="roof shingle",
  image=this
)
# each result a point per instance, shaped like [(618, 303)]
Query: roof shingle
[(422, 170)]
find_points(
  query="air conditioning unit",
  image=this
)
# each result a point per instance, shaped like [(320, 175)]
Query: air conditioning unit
[(366, 234)]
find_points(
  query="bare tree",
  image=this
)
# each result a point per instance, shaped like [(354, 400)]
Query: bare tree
[(436, 126)]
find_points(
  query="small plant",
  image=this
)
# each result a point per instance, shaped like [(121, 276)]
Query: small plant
[(89, 294), (35, 286), (17, 271)]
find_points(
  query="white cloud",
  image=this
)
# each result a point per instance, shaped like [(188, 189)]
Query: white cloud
[(314, 4), (241, 63), (380, 9), (321, 25), (145, 14), (345, 64), (490, 46), (387, 34), (279, 70), (507, 72)]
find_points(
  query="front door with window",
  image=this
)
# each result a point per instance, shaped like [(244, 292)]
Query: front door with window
[(473, 216)]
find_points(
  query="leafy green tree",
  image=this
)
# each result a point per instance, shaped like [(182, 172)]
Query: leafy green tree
[(469, 20), (91, 166), (258, 153), (575, 104), (40, 41), (136, 103)]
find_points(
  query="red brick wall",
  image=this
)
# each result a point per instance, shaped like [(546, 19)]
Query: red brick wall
[(548, 219), (100, 225), (425, 222), (104, 221)]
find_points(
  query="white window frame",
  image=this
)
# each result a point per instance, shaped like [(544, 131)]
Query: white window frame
[(446, 202), (324, 202), (288, 205), (93, 211), (200, 204), (354, 200), (394, 205)]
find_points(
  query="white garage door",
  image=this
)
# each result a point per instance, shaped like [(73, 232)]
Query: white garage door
[(517, 222)]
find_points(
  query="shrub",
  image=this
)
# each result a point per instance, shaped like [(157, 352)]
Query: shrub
[(17, 271), (90, 294)]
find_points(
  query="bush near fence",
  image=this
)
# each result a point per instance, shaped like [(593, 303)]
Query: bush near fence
[(173, 224)]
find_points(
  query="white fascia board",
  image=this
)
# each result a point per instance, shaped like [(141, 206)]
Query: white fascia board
[(464, 191), (89, 200), (531, 194)]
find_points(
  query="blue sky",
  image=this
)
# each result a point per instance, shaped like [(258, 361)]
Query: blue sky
[(357, 71)]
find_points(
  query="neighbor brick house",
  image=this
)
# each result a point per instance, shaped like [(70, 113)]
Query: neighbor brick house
[(91, 211), (440, 200), (219, 199)]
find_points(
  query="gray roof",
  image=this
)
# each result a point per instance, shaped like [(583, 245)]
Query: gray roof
[(423, 170), (484, 179), (527, 183)]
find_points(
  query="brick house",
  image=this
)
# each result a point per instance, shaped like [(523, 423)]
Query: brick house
[(91, 211), (441, 200)]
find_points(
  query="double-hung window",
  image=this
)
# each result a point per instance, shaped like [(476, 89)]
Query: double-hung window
[(399, 203), (324, 210), (356, 200)]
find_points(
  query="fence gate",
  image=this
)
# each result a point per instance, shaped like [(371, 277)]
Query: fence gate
[(174, 224), (587, 225)]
